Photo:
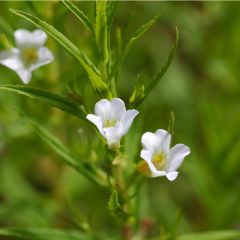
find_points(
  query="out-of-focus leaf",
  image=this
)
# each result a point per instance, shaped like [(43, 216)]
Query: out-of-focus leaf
[(4, 40), (102, 36), (115, 208), (138, 33), (79, 14), (52, 99), (162, 71), (81, 165), (68, 46), (212, 235), (44, 234)]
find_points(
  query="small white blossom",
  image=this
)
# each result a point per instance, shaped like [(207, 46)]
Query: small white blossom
[(112, 120), (161, 160), (29, 55)]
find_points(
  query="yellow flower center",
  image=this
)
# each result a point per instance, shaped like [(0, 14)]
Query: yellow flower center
[(110, 123), (159, 160), (29, 55)]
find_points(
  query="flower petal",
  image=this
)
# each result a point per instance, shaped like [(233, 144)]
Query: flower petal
[(176, 156), (25, 75), (149, 141), (40, 37), (10, 58), (112, 136), (118, 108), (146, 155), (164, 140), (126, 121), (171, 176), (97, 121), (25, 38), (44, 57), (103, 109)]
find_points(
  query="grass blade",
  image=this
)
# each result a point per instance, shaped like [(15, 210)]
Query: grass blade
[(50, 98)]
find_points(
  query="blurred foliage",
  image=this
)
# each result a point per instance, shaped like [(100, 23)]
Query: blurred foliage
[(201, 87)]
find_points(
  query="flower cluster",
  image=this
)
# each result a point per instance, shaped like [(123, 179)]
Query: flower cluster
[(113, 121), (110, 117), (29, 55)]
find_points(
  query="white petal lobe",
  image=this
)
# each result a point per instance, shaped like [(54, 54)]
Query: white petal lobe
[(10, 58), (44, 57), (126, 120), (25, 75), (177, 155), (171, 176), (97, 121)]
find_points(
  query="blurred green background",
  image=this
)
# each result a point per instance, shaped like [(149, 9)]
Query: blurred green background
[(202, 87)]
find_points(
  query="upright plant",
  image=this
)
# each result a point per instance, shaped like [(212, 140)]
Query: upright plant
[(111, 121)]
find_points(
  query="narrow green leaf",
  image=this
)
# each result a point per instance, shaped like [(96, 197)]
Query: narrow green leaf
[(162, 71), (79, 14), (43, 234), (50, 98), (115, 208), (138, 33), (87, 65), (111, 12), (81, 165), (212, 235), (102, 36)]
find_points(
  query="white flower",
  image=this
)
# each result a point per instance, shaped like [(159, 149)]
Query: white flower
[(161, 160), (112, 120), (29, 55)]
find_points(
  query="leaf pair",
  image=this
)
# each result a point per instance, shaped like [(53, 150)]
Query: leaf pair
[(140, 93)]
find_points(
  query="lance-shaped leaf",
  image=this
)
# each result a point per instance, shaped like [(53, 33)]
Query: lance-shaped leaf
[(138, 33), (52, 99), (111, 12), (212, 235), (44, 234), (101, 35), (80, 165), (85, 62), (160, 74), (79, 14)]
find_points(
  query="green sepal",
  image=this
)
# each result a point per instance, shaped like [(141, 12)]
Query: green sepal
[(116, 209)]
